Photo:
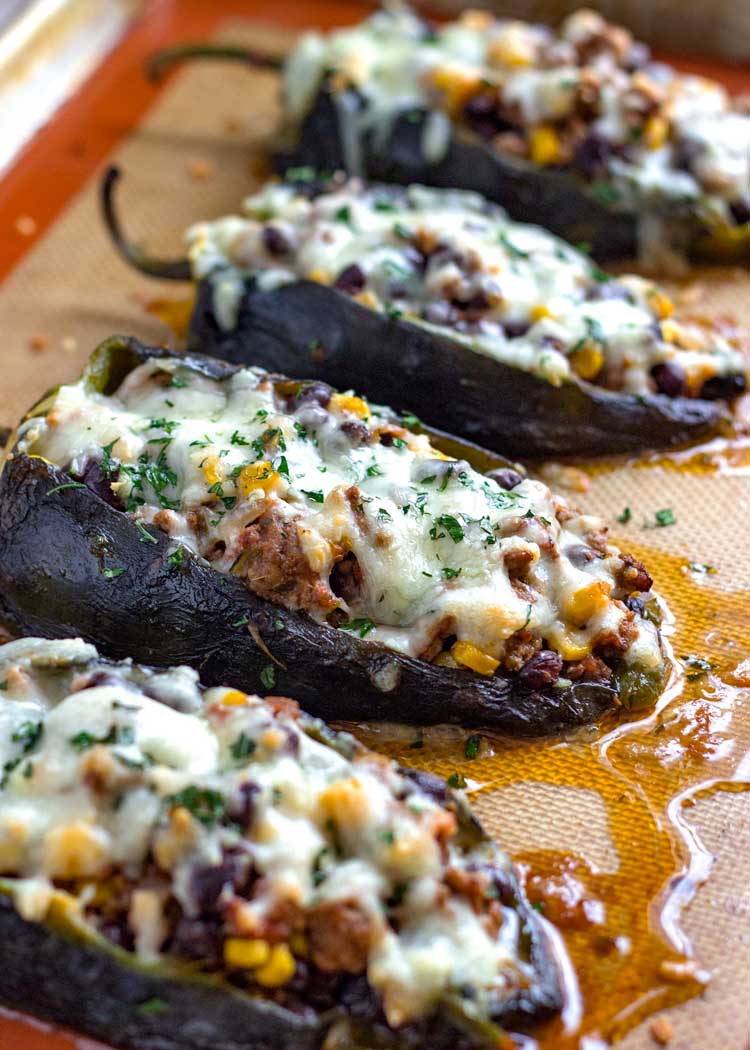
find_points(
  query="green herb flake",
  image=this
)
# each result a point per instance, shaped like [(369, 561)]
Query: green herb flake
[(67, 485), (146, 536), (28, 733), (699, 567), (456, 780), (176, 559), (472, 746), (242, 747), (662, 518), (451, 574), (697, 666), (242, 622), (361, 626), (452, 526), (316, 496), (112, 574), (268, 676), (625, 516), (204, 804)]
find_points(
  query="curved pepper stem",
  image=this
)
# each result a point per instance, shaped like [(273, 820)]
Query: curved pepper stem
[(166, 269), (162, 62)]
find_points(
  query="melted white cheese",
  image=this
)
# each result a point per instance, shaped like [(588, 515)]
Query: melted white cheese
[(527, 277), (100, 789), (436, 542)]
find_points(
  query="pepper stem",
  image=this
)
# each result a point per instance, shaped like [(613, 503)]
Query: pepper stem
[(166, 269), (163, 61)]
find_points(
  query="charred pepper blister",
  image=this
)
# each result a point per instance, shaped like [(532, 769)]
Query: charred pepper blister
[(274, 532), (186, 867)]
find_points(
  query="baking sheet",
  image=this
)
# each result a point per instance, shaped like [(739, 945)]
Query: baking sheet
[(195, 156)]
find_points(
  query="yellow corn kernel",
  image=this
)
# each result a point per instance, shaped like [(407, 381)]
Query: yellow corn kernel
[(319, 275), (670, 331), (470, 656), (514, 48), (587, 361), (234, 698), (76, 851), (587, 601), (539, 312), (367, 298), (456, 84), (655, 131), (279, 969), (243, 954), (258, 476), (660, 302), (210, 470), (345, 800), (544, 145), (572, 647), (350, 403)]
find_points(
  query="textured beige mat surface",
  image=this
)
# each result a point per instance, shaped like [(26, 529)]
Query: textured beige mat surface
[(192, 159)]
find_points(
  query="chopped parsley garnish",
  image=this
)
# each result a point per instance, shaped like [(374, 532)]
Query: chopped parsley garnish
[(402, 231), (176, 559), (451, 574), (625, 516), (604, 192), (107, 465), (456, 780), (388, 836), (361, 626), (472, 745), (238, 439), (393, 311), (410, 420), (451, 525), (268, 676), (316, 496), (112, 574), (242, 622), (115, 735), (384, 515), (206, 805), (374, 471), (300, 431), (696, 566), (28, 733), (242, 747), (167, 425), (662, 518), (146, 536), (513, 250)]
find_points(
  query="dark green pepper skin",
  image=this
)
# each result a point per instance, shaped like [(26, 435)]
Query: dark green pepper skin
[(55, 546), (317, 332), (549, 197)]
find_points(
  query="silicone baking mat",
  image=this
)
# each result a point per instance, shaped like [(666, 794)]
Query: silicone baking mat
[(613, 830)]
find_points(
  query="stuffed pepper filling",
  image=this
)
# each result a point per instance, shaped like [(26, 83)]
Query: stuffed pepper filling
[(452, 262), (586, 98), (321, 503), (227, 832)]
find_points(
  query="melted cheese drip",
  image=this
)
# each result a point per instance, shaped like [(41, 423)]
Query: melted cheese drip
[(527, 277), (96, 787), (392, 60), (435, 540)]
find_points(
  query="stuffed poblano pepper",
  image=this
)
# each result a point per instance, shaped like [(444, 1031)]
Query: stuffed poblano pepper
[(190, 868), (283, 536), (575, 128), (434, 301)]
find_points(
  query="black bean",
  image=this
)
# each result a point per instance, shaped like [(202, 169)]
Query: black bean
[(506, 477), (242, 808), (351, 280), (358, 998), (607, 290), (636, 605), (275, 242), (482, 115), (198, 939), (357, 432), (724, 387), (740, 210), (670, 379), (542, 669), (580, 554), (592, 156), (515, 329), (316, 393), (207, 883)]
